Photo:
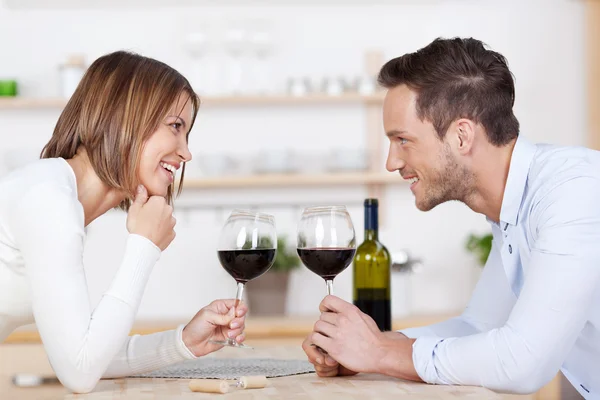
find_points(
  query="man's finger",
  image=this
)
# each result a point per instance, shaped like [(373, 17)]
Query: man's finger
[(334, 304), (329, 317), (325, 328), (322, 341), (330, 361), (326, 371), (313, 354)]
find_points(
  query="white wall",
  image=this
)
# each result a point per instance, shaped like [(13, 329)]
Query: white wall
[(543, 41)]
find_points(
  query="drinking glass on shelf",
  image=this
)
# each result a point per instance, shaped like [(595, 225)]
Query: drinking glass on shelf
[(236, 45), (326, 241), (247, 249), (261, 40)]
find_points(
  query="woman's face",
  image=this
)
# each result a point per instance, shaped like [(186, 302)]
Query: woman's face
[(166, 149)]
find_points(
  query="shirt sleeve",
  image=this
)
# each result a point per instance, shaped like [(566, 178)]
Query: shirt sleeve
[(80, 342), (489, 306), (144, 353), (563, 275)]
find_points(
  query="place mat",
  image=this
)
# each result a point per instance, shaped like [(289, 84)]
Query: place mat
[(229, 368)]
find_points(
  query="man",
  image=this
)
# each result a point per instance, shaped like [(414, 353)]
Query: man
[(536, 309)]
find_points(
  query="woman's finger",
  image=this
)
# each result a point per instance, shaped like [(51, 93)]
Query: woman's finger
[(238, 323), (234, 333), (217, 319), (240, 338)]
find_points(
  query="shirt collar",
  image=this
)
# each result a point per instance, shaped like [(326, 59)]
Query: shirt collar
[(520, 162)]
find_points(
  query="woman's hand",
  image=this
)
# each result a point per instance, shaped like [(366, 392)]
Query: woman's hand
[(215, 322), (152, 218)]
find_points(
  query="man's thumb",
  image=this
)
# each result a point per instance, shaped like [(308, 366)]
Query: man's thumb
[(141, 196)]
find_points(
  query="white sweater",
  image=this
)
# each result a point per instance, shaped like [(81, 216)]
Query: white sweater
[(42, 280)]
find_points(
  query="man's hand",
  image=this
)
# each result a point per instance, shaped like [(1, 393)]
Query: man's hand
[(324, 364), (348, 335), (355, 344)]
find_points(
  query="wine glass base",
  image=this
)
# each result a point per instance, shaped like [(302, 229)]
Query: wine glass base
[(231, 343)]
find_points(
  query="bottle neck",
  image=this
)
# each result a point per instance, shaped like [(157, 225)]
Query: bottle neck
[(371, 222), (371, 235)]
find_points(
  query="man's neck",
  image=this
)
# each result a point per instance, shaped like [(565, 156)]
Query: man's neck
[(95, 196), (491, 169)]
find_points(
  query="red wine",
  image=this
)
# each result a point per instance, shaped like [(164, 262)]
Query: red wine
[(328, 262), (245, 265), (374, 303)]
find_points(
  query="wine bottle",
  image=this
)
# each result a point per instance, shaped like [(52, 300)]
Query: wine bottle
[(372, 264)]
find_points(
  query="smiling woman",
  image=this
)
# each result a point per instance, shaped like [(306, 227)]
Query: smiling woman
[(118, 143), (126, 111)]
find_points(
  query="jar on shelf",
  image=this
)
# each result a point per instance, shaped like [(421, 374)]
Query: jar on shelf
[(71, 73), (8, 87)]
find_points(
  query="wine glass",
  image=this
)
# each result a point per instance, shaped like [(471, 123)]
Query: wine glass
[(326, 241), (247, 249)]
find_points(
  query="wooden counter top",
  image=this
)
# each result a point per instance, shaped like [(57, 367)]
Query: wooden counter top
[(31, 358)]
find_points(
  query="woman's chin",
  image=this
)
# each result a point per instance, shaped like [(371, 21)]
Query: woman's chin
[(156, 189)]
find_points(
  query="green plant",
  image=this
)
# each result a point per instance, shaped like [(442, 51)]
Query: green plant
[(480, 245), (286, 258)]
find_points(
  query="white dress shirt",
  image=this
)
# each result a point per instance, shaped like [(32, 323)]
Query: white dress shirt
[(42, 280), (536, 308)]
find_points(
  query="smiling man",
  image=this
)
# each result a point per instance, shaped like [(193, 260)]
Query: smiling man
[(452, 132)]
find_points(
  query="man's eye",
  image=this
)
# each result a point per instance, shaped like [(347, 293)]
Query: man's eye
[(402, 140)]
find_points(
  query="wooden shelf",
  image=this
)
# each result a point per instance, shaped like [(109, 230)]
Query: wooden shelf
[(145, 4), (22, 103), (17, 103), (293, 180)]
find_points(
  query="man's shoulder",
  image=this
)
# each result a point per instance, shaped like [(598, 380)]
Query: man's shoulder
[(553, 165)]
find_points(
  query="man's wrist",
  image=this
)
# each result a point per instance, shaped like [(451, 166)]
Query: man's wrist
[(395, 335), (396, 359)]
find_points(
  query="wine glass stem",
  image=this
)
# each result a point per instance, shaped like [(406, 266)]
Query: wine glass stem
[(238, 299), (329, 283), (239, 294)]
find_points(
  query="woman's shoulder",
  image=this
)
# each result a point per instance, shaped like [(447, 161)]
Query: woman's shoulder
[(41, 177)]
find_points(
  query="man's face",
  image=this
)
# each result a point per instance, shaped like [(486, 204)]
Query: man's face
[(417, 152)]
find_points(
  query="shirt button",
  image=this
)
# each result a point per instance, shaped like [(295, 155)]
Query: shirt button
[(510, 249)]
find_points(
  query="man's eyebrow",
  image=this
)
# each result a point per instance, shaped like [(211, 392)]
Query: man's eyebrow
[(396, 132)]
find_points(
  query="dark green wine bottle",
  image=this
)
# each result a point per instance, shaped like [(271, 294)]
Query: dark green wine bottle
[(372, 264)]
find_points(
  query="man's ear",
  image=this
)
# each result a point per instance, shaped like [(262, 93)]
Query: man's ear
[(463, 135)]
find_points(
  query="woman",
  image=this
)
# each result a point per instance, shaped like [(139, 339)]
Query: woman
[(118, 143)]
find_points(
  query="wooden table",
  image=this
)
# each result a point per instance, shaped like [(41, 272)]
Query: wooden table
[(31, 358), (22, 352)]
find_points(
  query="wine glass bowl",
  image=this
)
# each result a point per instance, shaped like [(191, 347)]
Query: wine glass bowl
[(326, 241), (247, 249)]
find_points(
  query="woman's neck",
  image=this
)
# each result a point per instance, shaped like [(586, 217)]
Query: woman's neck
[(95, 196)]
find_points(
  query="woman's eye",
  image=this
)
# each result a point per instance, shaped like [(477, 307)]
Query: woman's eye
[(176, 125)]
